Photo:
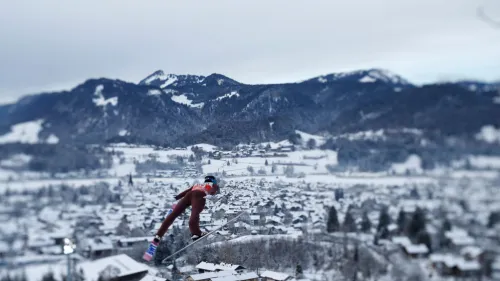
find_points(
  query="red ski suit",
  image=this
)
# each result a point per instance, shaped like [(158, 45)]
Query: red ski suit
[(194, 197)]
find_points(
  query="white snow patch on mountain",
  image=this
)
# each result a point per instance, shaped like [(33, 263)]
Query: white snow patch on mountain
[(16, 160), (485, 162), (364, 135), (306, 137), (229, 95), (489, 134), (497, 99), (322, 79), (99, 99), (159, 76), (170, 79), (123, 133), (154, 92), (26, 132), (52, 139), (220, 81), (387, 76), (367, 79), (183, 99), (412, 165)]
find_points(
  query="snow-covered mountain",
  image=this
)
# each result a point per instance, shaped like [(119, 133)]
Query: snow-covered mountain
[(184, 109)]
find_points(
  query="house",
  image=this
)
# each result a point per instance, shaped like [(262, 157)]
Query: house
[(229, 267), (129, 242), (495, 269), (255, 219), (459, 238), (416, 251), (274, 276), (249, 276), (451, 265), (98, 247), (121, 267), (209, 275), (472, 253), (211, 267)]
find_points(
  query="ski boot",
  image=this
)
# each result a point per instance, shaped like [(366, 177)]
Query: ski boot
[(195, 237)]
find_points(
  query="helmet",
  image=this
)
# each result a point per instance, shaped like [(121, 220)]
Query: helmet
[(211, 179)]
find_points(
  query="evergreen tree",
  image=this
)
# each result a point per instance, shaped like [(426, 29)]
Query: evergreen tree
[(175, 272), (493, 219), (273, 168), (49, 276), (311, 143), (276, 210), (130, 181), (424, 238), (417, 223), (191, 158), (366, 224), (209, 162), (332, 225), (349, 222), (446, 225), (384, 219), (266, 163), (298, 271), (161, 253), (401, 221)]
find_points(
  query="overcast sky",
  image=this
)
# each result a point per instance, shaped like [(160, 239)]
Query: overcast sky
[(51, 45)]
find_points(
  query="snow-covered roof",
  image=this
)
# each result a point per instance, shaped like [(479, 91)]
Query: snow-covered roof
[(416, 249), (134, 239), (227, 266), (472, 251), (246, 276), (401, 240), (206, 266), (123, 264), (452, 261), (275, 275), (210, 275)]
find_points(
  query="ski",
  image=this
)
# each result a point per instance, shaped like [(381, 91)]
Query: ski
[(201, 238)]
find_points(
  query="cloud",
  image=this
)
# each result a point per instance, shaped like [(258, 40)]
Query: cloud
[(54, 42)]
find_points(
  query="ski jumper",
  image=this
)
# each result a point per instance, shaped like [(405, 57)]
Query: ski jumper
[(194, 197)]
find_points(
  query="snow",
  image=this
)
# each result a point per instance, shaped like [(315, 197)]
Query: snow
[(367, 79), (26, 132), (364, 135), (210, 275), (489, 134), (123, 132), (322, 79), (275, 275), (496, 100), (220, 81), (485, 162), (183, 99), (52, 139), (413, 165), (169, 80), (99, 99), (16, 160), (416, 249), (306, 137), (154, 92), (229, 95), (205, 146), (124, 264)]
